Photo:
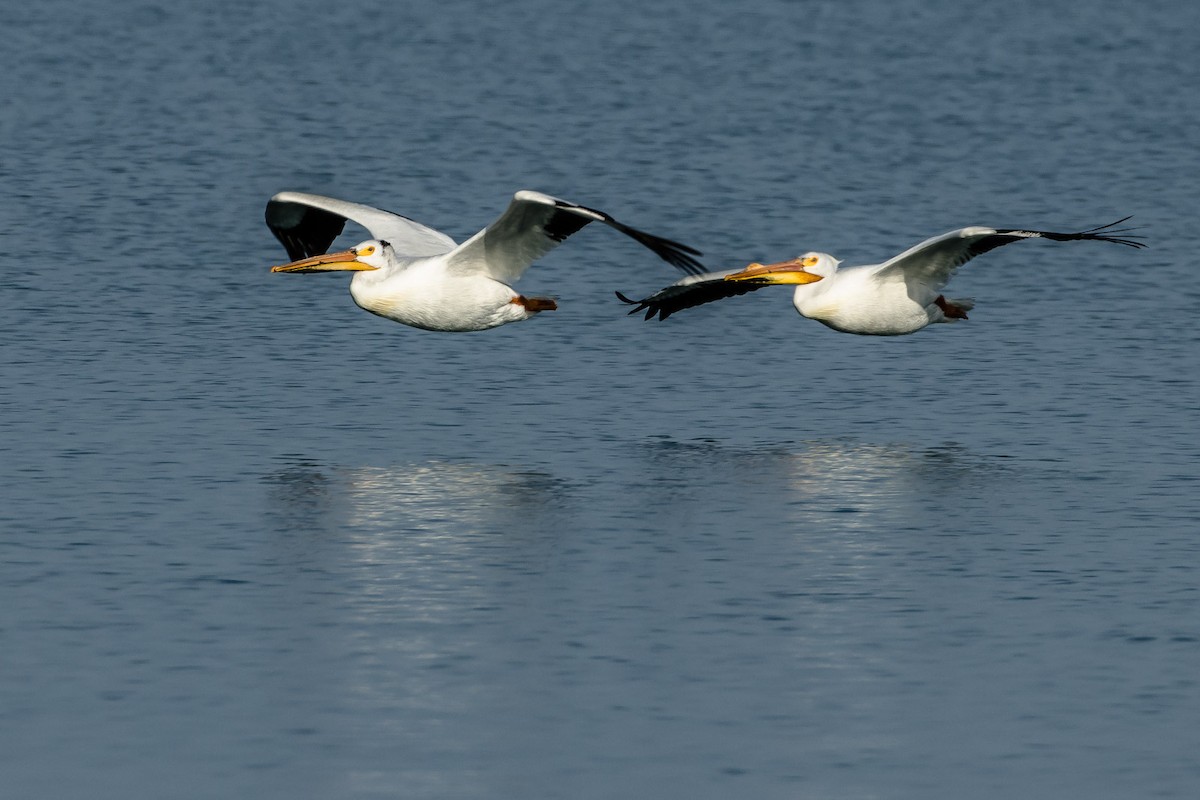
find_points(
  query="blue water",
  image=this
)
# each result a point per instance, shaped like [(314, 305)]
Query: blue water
[(258, 543)]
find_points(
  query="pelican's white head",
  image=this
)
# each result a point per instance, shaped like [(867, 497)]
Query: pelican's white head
[(363, 257), (821, 264), (373, 253)]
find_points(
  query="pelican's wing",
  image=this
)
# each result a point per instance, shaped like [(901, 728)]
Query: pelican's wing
[(307, 224), (536, 223), (694, 290), (933, 261)]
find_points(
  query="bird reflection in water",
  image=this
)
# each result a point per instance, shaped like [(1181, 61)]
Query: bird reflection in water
[(433, 498), (402, 579), (400, 531), (801, 541), (850, 484)]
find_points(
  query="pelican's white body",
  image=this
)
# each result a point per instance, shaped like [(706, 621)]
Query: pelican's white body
[(423, 294), (870, 301)]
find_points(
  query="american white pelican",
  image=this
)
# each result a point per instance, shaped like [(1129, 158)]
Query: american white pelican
[(418, 276), (901, 295)]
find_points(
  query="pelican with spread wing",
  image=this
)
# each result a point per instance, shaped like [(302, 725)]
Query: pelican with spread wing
[(418, 276), (901, 295)]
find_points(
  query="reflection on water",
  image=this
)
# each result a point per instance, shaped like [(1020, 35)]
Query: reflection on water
[(853, 484), (413, 541), (855, 480), (817, 525), (416, 562), (434, 498), (414, 533), (816, 545), (663, 591)]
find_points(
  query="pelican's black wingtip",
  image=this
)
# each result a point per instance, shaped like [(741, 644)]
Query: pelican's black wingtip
[(638, 305), (677, 255), (1104, 233), (1109, 226), (641, 305)]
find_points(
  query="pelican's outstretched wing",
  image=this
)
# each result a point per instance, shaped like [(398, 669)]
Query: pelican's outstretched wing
[(933, 262), (694, 290), (536, 223), (307, 224)]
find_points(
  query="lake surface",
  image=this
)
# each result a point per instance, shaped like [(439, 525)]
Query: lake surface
[(258, 543)]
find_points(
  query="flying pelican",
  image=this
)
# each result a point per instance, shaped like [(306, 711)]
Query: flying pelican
[(899, 296), (417, 276)]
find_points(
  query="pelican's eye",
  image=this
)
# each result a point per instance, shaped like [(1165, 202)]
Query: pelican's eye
[(369, 250), (808, 261)]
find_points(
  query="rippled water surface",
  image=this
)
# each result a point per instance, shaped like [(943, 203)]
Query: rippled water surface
[(258, 543)]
